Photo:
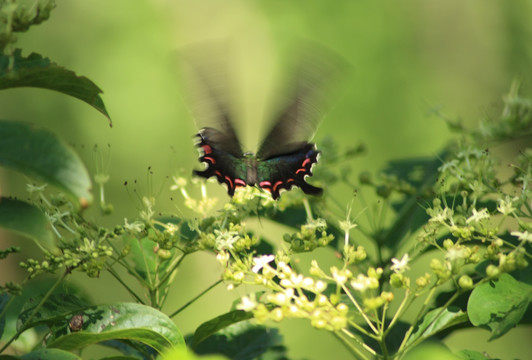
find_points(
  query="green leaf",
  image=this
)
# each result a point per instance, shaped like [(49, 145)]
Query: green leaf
[(499, 305), (43, 354), (118, 321), (4, 298), (56, 307), (39, 72), (184, 354), (27, 220), (212, 326), (430, 350), (244, 341), (435, 321), (38, 152), (472, 355), (421, 174), (146, 261), (52, 354)]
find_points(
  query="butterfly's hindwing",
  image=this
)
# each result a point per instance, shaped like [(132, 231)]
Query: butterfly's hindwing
[(227, 168), (288, 170)]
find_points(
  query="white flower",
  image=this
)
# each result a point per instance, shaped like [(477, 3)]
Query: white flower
[(171, 229), (320, 286), (478, 215), (225, 239), (523, 236), (223, 257), (340, 276), (247, 304), (456, 253), (260, 262), (506, 206), (179, 183), (399, 266), (448, 166), (363, 282), (442, 216), (136, 226)]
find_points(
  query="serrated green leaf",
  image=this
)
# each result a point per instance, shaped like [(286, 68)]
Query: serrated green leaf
[(435, 321), (39, 72), (43, 354), (212, 326), (499, 305), (37, 152), (118, 321), (27, 220)]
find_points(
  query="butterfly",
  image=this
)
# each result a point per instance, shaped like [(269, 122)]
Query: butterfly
[(285, 157)]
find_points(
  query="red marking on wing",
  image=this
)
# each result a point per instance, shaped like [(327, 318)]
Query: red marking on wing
[(307, 160), (276, 185), (240, 182), (229, 181), (301, 170), (218, 173), (212, 161), (289, 181), (207, 149), (265, 183)]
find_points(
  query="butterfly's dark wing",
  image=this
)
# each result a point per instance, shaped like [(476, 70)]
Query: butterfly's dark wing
[(288, 170), (207, 95), (285, 157), (228, 168), (304, 106)]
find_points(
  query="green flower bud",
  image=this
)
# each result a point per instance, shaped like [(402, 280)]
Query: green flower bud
[(447, 244), (338, 322), (276, 314), (164, 254), (334, 299), (465, 282), (492, 271), (423, 281), (397, 280)]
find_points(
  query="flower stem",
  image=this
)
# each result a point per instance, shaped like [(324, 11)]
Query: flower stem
[(194, 299)]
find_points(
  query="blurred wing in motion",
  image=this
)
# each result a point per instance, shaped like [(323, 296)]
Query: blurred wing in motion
[(207, 93), (304, 106)]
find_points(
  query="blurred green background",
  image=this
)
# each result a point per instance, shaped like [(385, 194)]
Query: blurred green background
[(408, 58)]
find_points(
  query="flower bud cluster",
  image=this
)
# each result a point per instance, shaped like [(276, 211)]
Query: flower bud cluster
[(310, 236), (200, 206), (88, 257)]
